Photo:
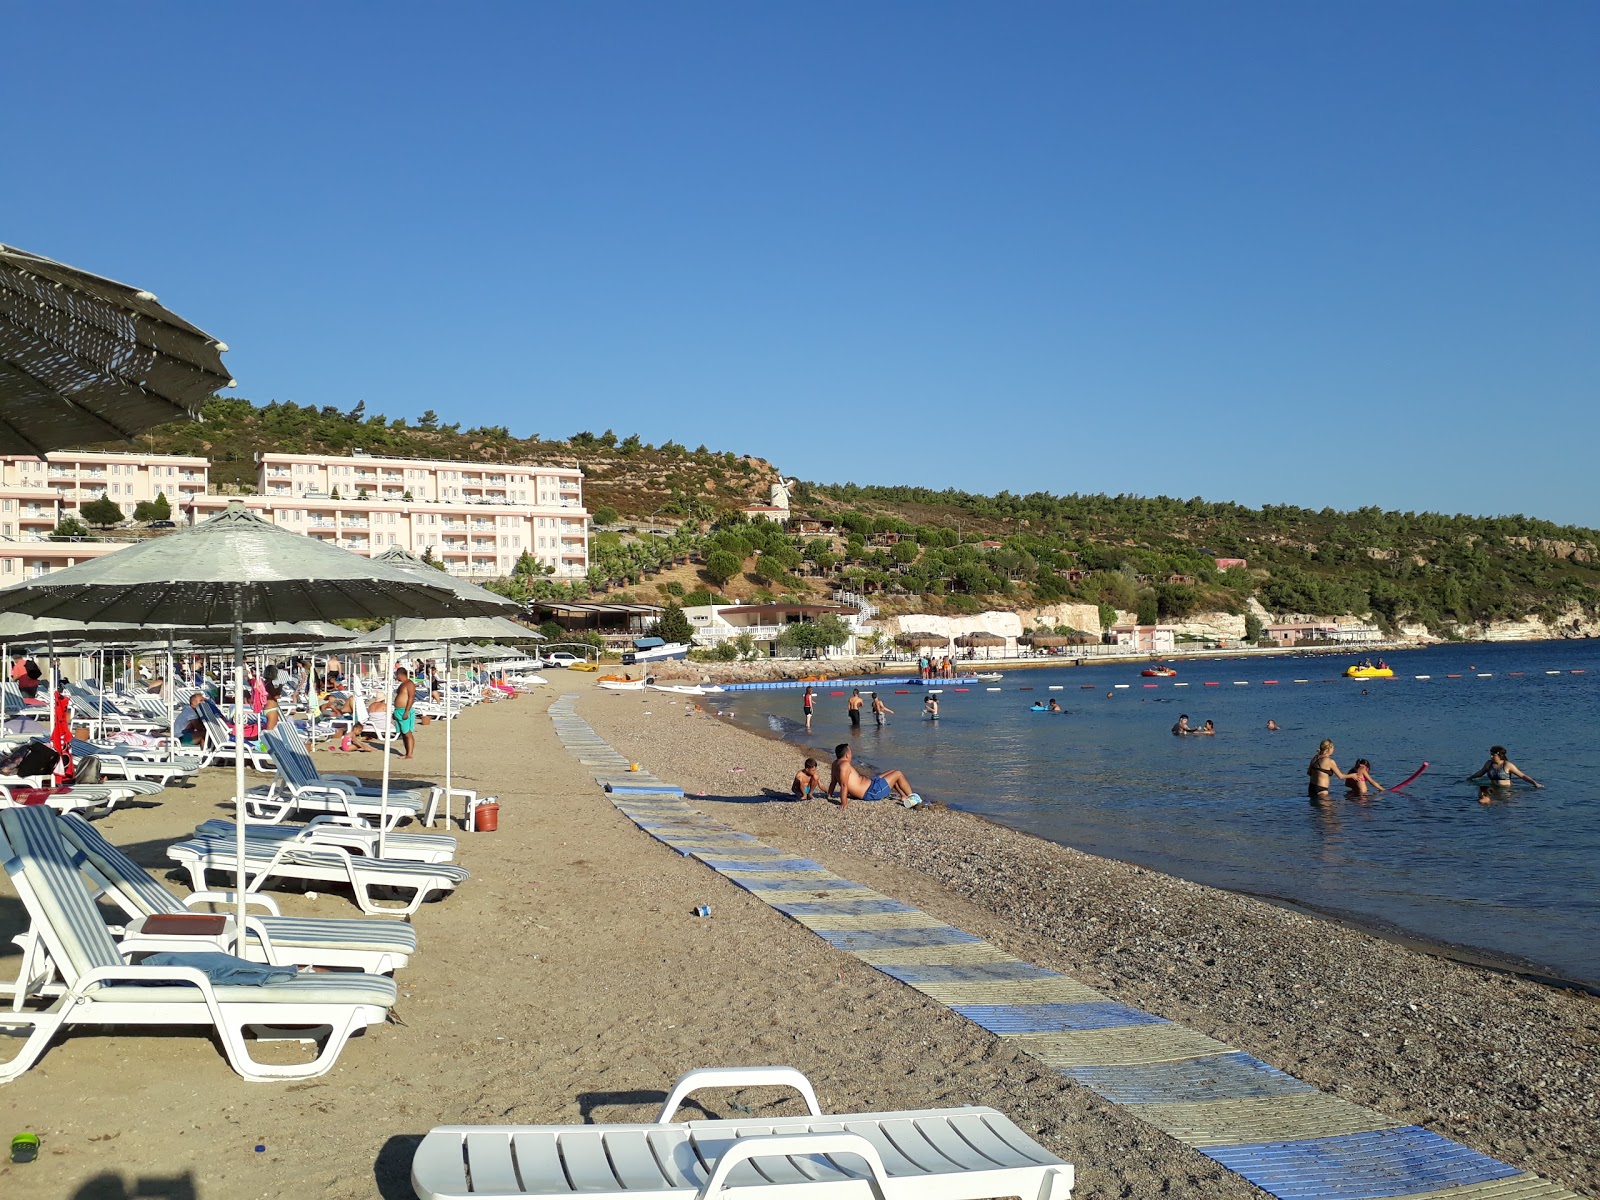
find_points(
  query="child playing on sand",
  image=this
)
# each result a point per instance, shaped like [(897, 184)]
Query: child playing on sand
[(807, 780)]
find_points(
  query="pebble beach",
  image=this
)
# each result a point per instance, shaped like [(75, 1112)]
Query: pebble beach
[(1503, 1064)]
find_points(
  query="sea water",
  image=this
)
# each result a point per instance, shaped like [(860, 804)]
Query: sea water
[(1518, 878)]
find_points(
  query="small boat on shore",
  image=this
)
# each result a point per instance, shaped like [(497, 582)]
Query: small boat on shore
[(621, 683)]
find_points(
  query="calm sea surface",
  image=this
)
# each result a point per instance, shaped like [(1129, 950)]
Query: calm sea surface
[(1519, 878)]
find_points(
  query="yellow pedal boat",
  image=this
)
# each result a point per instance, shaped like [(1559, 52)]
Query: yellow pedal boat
[(1369, 672)]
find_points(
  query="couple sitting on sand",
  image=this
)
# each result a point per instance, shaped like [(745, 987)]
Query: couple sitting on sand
[(851, 783)]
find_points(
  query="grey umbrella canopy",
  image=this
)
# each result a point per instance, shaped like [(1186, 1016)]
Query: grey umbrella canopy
[(86, 359), (410, 630), (238, 567)]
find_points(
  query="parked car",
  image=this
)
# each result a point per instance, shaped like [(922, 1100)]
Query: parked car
[(560, 658), (163, 524)]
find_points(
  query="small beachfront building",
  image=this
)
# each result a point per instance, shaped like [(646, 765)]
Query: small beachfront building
[(714, 624), (1146, 639)]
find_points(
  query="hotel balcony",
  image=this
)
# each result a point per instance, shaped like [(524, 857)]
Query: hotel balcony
[(452, 524)]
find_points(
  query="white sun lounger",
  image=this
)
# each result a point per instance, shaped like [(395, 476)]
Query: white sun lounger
[(332, 831), (83, 797), (939, 1154), (300, 788), (316, 864), (101, 990), (376, 947)]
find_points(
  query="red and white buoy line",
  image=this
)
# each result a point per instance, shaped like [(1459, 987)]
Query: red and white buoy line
[(1381, 679)]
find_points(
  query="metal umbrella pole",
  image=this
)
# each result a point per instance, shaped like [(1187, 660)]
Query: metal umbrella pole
[(449, 735), (238, 762), (388, 753)]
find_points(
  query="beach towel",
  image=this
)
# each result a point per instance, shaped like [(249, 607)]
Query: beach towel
[(223, 968)]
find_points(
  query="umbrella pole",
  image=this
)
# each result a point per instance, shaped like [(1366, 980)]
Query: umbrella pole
[(449, 734), (388, 753), (170, 688), (55, 684), (238, 765)]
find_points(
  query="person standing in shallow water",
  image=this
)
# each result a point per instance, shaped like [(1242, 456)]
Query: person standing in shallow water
[(809, 700), (854, 706), (1322, 771)]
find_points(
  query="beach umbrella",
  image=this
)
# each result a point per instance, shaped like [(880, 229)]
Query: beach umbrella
[(922, 639), (1049, 640), (86, 359), (230, 570), (982, 638), (477, 629)]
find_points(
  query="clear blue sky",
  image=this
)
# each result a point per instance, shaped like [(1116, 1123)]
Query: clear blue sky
[(1322, 254)]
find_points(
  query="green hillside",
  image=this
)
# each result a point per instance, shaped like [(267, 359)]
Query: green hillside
[(1157, 554), (952, 551), (622, 473)]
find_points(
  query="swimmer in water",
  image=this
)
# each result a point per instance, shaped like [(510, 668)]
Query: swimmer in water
[(1181, 726), (1500, 770), (1272, 725), (1209, 729), (1054, 706), (1485, 794), (1359, 779), (1321, 771), (930, 708)]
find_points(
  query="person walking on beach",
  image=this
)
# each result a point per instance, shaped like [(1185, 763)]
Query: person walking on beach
[(405, 711), (1500, 770), (854, 706), (880, 710), (852, 783), (809, 700), (1322, 771)]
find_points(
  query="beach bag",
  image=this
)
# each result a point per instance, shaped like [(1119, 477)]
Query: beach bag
[(86, 770), (29, 760)]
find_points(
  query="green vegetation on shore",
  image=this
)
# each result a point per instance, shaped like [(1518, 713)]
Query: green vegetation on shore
[(958, 552)]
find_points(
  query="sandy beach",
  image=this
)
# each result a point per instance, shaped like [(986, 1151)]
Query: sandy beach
[(568, 980)]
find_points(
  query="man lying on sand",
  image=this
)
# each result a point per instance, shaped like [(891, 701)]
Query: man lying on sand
[(853, 783)]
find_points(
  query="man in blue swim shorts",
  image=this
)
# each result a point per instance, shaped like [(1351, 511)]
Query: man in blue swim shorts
[(405, 710), (852, 783)]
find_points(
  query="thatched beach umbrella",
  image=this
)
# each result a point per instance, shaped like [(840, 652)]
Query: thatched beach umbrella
[(922, 639), (86, 359), (233, 569), (1048, 640), (982, 638)]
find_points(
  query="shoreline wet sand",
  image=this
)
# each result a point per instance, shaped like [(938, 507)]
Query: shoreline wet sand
[(1503, 1064), (566, 981)]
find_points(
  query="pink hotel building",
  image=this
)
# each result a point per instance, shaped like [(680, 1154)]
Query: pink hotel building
[(475, 518)]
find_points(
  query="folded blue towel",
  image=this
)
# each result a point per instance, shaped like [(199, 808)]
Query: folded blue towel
[(224, 968)]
